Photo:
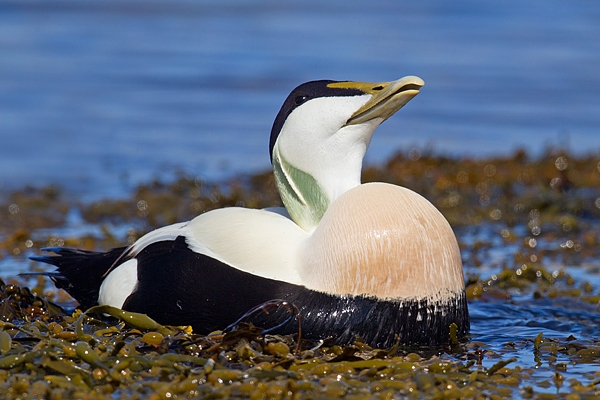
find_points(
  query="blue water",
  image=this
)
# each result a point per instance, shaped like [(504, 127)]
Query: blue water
[(100, 95)]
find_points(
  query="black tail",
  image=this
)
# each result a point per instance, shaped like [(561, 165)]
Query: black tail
[(80, 272)]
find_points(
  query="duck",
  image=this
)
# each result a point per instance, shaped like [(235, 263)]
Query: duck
[(372, 262)]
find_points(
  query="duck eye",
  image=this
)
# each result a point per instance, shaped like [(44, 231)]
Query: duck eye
[(300, 99)]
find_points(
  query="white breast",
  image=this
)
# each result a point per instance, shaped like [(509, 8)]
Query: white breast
[(386, 241)]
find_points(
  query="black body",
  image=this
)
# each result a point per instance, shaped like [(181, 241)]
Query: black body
[(177, 286)]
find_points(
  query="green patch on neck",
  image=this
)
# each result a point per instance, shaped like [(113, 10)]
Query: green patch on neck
[(301, 194)]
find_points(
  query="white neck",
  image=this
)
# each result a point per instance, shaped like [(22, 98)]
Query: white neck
[(303, 197), (315, 162)]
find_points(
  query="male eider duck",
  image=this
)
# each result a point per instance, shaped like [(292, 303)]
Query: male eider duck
[(374, 262)]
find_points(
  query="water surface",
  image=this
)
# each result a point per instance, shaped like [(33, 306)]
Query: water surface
[(100, 95)]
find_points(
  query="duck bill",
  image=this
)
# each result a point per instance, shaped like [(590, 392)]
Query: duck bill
[(387, 97)]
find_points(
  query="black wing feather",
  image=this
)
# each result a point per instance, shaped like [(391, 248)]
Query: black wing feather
[(79, 272)]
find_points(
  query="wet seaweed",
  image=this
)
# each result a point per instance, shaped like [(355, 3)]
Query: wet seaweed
[(542, 212)]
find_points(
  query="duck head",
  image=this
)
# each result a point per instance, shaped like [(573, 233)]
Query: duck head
[(320, 137)]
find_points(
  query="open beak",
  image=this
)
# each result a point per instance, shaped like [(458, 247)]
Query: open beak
[(388, 97)]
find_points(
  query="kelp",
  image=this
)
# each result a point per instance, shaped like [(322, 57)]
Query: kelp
[(542, 213)]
